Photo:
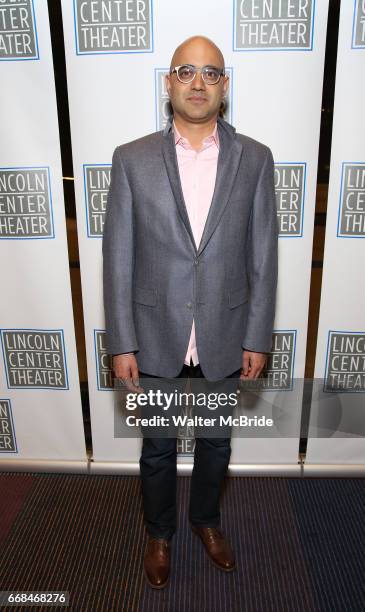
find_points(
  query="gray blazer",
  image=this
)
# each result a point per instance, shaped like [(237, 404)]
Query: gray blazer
[(156, 279)]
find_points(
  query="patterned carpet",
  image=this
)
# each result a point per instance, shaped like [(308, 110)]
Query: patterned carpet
[(299, 544)]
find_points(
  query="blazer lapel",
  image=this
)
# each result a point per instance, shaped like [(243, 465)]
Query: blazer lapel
[(170, 158), (230, 152)]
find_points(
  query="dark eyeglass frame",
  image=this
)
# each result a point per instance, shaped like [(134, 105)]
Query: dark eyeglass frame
[(221, 72)]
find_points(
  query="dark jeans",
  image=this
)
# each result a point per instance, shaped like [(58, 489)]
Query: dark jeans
[(158, 477)]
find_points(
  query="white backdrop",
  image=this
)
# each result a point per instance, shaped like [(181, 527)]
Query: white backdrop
[(40, 407), (114, 59), (337, 426)]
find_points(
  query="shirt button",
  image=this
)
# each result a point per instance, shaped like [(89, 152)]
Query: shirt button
[(189, 305)]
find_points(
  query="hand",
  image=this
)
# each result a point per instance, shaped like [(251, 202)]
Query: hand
[(126, 368), (252, 364)]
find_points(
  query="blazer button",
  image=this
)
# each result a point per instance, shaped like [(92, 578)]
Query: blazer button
[(189, 305), (196, 262)]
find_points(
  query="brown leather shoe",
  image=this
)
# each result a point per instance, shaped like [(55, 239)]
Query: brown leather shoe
[(156, 562), (217, 547)]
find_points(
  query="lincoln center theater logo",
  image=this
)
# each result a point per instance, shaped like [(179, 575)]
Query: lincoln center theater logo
[(163, 103), (358, 31), (351, 217), (18, 34), (96, 181), (185, 441), (345, 362), (25, 203), (103, 369), (34, 358), (273, 25), (278, 374), (7, 433), (290, 189), (113, 26)]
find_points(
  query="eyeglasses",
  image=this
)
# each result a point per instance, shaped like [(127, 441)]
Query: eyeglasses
[(186, 73)]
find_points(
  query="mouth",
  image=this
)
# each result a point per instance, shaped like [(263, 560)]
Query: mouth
[(197, 99)]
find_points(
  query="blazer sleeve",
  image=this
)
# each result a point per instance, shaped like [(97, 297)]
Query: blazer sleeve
[(262, 262), (118, 262)]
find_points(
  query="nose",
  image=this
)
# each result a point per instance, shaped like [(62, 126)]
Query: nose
[(198, 82)]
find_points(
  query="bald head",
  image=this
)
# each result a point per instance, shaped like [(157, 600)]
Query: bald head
[(199, 46)]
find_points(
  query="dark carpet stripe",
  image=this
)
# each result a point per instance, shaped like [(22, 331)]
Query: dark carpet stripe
[(14, 489), (299, 546), (330, 515)]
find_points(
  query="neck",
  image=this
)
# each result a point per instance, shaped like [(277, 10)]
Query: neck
[(195, 132)]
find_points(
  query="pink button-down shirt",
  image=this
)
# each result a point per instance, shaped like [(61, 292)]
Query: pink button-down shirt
[(198, 171)]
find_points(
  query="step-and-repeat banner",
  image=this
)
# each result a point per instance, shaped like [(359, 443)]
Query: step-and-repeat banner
[(40, 407), (117, 54), (337, 425)]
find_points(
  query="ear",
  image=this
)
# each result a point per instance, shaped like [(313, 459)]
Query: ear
[(168, 83), (225, 84)]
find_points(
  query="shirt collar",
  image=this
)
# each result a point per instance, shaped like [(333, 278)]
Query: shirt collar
[(212, 138)]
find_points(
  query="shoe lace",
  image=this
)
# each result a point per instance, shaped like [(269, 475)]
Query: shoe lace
[(213, 533), (161, 542)]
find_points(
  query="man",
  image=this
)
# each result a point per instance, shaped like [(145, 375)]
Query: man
[(190, 273)]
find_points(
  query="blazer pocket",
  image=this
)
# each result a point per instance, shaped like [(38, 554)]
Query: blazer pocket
[(148, 297), (238, 296)]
